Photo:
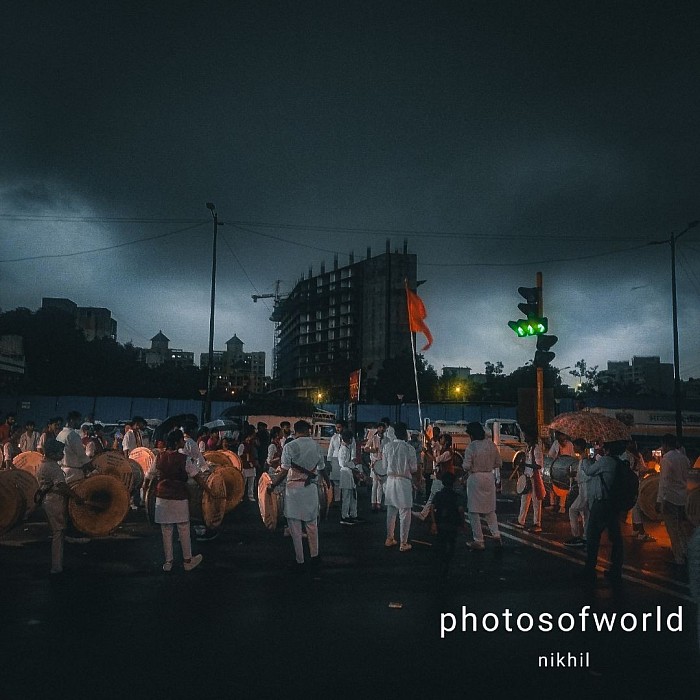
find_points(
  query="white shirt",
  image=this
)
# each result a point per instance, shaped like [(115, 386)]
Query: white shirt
[(304, 452), (673, 482), (74, 456), (400, 459), (482, 456), (128, 442), (334, 446), (347, 467), (192, 451), (27, 443)]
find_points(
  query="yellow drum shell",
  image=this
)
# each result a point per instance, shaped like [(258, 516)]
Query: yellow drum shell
[(106, 505)]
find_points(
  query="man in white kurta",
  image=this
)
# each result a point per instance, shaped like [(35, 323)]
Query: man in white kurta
[(401, 464), (482, 461), (74, 458), (375, 445), (348, 488), (301, 504), (332, 457)]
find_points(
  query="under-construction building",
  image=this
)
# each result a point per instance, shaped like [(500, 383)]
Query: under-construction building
[(341, 320)]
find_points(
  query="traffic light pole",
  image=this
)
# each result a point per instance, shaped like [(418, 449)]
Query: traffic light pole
[(540, 371)]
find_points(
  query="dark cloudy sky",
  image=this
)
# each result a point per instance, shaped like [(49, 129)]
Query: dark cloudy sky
[(500, 138)]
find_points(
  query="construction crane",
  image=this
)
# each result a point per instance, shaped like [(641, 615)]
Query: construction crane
[(276, 296)]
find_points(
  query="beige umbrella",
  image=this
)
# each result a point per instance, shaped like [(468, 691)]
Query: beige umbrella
[(591, 427)]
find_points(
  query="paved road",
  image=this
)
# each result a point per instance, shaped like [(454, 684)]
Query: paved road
[(117, 626)]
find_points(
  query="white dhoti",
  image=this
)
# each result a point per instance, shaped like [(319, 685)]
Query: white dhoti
[(398, 495), (481, 500), (301, 505)]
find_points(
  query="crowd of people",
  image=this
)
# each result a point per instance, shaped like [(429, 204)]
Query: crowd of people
[(398, 470)]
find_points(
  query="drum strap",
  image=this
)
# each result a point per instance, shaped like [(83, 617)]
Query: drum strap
[(310, 473)]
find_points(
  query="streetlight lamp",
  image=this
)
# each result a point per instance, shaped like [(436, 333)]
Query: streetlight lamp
[(676, 361), (210, 373)]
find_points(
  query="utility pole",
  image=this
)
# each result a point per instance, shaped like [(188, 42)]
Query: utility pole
[(210, 373), (674, 303)]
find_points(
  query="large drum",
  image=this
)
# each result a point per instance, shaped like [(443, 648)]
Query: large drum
[(562, 471), (137, 475), (648, 492), (106, 505), (11, 506), (26, 487), (235, 486), (209, 508), (28, 461), (223, 458), (144, 457), (325, 496), (115, 465), (271, 504)]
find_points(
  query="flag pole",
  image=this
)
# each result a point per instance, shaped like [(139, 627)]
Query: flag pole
[(415, 375), (413, 356)]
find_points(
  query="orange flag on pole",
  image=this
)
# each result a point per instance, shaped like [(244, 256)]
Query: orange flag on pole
[(416, 317)]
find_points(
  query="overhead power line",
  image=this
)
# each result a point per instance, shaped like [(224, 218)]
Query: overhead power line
[(104, 248)]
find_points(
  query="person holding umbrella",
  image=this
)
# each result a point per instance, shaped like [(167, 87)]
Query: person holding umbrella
[(603, 514)]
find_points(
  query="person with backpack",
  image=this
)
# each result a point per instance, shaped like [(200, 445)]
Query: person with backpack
[(608, 490)]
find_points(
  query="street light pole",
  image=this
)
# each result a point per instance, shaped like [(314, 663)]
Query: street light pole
[(210, 373), (674, 302)]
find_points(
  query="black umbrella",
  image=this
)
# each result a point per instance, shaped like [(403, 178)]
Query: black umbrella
[(172, 422)]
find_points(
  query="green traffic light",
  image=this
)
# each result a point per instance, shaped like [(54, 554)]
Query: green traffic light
[(529, 326)]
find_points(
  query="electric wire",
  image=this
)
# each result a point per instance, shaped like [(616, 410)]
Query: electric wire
[(104, 248)]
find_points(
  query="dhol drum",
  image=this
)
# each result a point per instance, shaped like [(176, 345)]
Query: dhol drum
[(648, 492), (208, 507), (116, 465), (563, 471), (26, 486), (106, 505), (11, 505), (235, 486), (223, 458), (144, 457), (325, 496), (137, 475), (28, 461), (523, 485), (271, 503)]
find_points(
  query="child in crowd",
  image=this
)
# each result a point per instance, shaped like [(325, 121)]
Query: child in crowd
[(447, 518)]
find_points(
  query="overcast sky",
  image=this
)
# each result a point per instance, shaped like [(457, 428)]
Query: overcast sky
[(499, 138)]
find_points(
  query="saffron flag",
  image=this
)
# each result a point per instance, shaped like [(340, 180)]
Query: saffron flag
[(416, 317)]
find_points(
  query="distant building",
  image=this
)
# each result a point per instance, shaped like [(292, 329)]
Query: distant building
[(95, 322), (236, 369), (12, 361), (457, 372), (647, 372), (161, 353), (344, 319)]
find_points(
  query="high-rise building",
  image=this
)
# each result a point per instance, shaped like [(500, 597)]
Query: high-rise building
[(344, 319), (648, 372)]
